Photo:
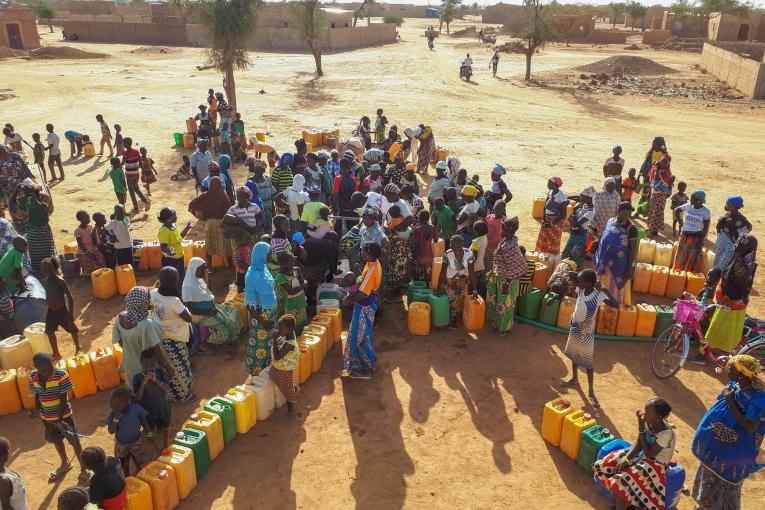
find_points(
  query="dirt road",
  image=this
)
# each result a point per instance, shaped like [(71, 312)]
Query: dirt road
[(444, 423)]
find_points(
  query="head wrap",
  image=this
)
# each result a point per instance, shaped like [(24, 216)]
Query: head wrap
[(370, 213), (244, 190), (569, 263), (736, 201), (136, 305), (195, 289), (313, 189), (286, 159), (202, 143), (323, 156), (392, 188), (212, 166), (589, 191), (625, 206), (557, 181), (349, 155), (298, 182), (168, 281), (29, 184), (373, 155), (700, 194), (407, 190), (375, 168), (470, 190), (224, 162), (454, 164), (511, 222), (607, 181), (258, 282), (441, 165), (499, 169), (659, 142), (213, 203), (749, 367), (410, 167)]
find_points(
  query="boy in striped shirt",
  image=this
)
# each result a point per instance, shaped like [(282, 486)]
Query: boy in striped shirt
[(50, 387)]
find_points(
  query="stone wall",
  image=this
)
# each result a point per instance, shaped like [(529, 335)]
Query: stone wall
[(742, 73)]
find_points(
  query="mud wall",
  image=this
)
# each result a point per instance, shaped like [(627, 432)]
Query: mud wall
[(606, 37), (27, 25), (742, 73), (654, 36)]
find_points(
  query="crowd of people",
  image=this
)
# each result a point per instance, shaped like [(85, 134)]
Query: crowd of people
[(366, 218)]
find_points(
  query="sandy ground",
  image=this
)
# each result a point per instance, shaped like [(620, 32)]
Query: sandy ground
[(443, 423)]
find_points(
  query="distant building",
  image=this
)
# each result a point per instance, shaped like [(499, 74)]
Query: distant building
[(512, 16), (651, 20), (728, 27), (19, 27)]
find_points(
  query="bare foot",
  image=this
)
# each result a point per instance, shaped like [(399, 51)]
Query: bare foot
[(594, 400)]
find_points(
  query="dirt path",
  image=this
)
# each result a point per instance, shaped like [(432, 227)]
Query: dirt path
[(441, 425)]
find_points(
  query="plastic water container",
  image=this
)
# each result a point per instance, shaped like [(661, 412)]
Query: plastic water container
[(224, 408), (238, 302), (675, 284), (625, 325), (413, 286), (153, 251), (125, 278), (104, 368), (104, 283), (694, 283), (538, 208), (163, 482), (565, 311), (15, 352), (664, 319), (22, 383), (328, 291), (708, 259), (675, 480), (328, 323), (663, 254), (88, 149), (337, 320), (317, 352), (529, 304), (10, 400), (439, 310), (71, 247), (117, 351), (593, 439), (421, 295), (552, 419), (210, 424), (571, 434), (305, 363), (321, 331), (198, 249), (646, 320), (191, 125), (435, 272), (264, 396), (324, 304), (532, 255), (70, 266), (178, 139), (181, 459), (539, 280), (608, 318), (659, 278), (615, 445), (37, 337), (646, 251), (419, 319), (474, 312), (196, 440), (81, 374), (642, 280), (188, 141), (548, 313), (438, 248), (138, 494), (219, 261), (188, 251), (245, 409), (260, 136), (279, 399)]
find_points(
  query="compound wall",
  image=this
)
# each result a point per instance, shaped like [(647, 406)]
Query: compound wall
[(740, 72)]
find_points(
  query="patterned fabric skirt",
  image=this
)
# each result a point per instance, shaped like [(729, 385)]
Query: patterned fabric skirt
[(225, 326), (215, 242), (688, 257), (500, 306), (258, 354), (40, 240), (178, 355), (285, 382), (455, 291), (90, 261), (580, 345), (400, 254), (656, 211), (358, 351), (641, 485), (299, 312), (575, 249), (421, 271), (724, 249), (712, 492), (548, 240), (623, 295)]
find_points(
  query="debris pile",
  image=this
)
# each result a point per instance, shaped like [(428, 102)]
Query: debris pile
[(53, 52), (690, 45), (511, 47), (627, 65), (620, 85)]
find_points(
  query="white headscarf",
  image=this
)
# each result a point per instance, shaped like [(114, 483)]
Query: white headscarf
[(195, 289), (298, 183), (453, 164)]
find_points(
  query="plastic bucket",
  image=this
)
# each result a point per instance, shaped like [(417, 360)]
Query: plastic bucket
[(178, 137)]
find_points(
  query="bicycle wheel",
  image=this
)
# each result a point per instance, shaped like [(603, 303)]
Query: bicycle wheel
[(669, 352), (756, 350)]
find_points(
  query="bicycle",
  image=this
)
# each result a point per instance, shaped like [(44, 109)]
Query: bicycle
[(672, 346)]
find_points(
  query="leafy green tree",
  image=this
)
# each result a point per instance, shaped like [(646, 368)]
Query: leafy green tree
[(636, 10), (617, 9), (310, 25), (449, 9), (44, 11), (540, 29)]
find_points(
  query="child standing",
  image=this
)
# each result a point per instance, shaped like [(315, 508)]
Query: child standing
[(285, 357), (290, 293), (225, 138), (478, 247), (380, 122), (120, 227), (580, 345), (678, 199), (118, 145), (148, 172), (422, 246), (117, 175), (443, 219), (60, 306), (104, 239), (457, 278), (238, 126), (629, 185), (242, 259), (125, 421), (50, 387), (38, 150), (13, 492), (90, 256), (152, 387), (11, 265), (106, 136)]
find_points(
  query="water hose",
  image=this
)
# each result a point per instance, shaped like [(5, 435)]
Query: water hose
[(607, 338)]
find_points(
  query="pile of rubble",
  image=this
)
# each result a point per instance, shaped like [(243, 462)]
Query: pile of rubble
[(690, 45), (621, 85), (511, 47)]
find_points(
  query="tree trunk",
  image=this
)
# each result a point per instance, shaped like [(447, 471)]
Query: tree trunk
[(317, 58), (614, 20), (50, 25), (440, 25), (529, 53), (229, 85), (447, 27)]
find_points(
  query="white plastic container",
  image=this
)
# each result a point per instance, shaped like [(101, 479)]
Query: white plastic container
[(15, 352), (38, 338), (279, 398), (327, 303), (328, 288), (264, 390)]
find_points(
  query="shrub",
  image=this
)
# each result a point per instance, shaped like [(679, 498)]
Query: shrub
[(397, 20)]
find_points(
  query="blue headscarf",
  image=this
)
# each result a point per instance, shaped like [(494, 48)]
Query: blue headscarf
[(258, 282), (736, 201), (286, 159), (700, 194), (224, 162)]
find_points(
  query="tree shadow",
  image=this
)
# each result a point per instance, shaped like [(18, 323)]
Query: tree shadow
[(589, 103), (312, 93)]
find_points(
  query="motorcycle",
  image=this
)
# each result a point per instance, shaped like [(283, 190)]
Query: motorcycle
[(466, 72)]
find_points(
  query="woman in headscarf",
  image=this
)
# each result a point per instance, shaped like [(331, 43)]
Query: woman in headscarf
[(615, 256), (730, 227), (13, 170), (211, 206), (426, 152), (655, 153), (729, 437), (693, 232), (261, 303), (736, 280), (454, 165), (135, 332), (299, 162), (580, 220), (399, 252), (280, 241), (224, 163), (294, 197), (494, 235), (359, 358), (38, 207), (261, 187), (174, 318), (605, 204), (509, 265), (281, 176), (222, 321), (660, 179), (551, 230)]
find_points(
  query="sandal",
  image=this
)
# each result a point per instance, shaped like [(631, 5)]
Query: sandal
[(356, 375), (59, 473), (594, 401)]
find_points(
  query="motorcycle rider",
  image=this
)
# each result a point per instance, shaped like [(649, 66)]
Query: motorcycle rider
[(467, 66)]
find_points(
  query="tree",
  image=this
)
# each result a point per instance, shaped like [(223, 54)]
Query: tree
[(636, 10), (540, 29), (449, 10), (360, 10), (617, 9), (230, 25), (44, 11), (392, 18), (310, 25)]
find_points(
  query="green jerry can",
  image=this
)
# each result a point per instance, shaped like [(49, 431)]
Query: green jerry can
[(529, 304), (421, 295), (224, 408), (439, 310), (178, 138), (664, 319), (593, 439), (414, 286), (197, 441), (548, 313)]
